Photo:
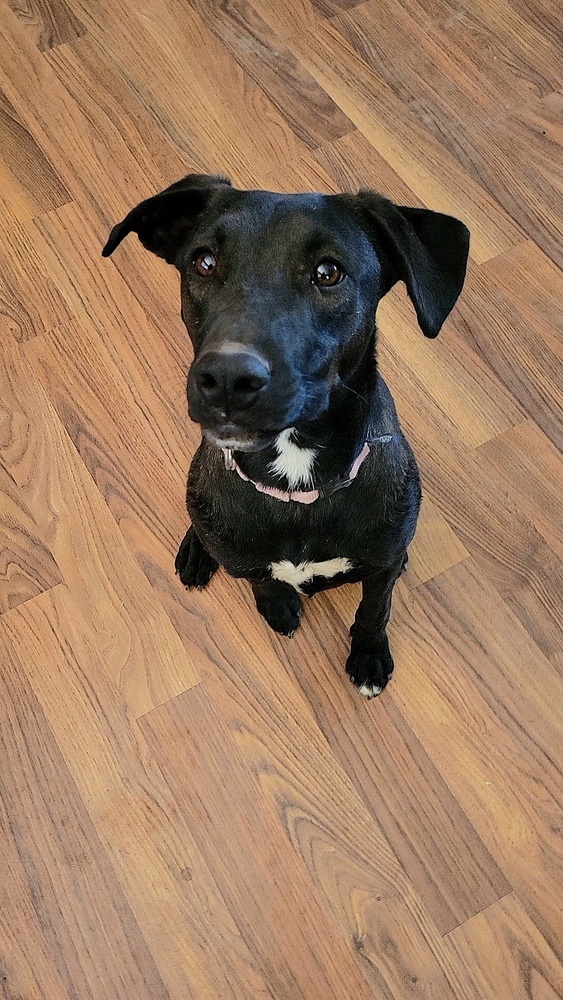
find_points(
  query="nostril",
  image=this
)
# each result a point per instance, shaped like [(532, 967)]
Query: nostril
[(207, 381), (247, 385)]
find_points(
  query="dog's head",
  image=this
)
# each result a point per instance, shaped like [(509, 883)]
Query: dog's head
[(279, 292)]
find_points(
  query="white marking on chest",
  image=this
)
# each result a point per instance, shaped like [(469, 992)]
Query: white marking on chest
[(303, 572), (293, 462)]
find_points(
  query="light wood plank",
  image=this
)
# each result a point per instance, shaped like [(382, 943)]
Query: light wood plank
[(474, 688), (184, 922), (142, 653), (66, 928), (430, 171), (27, 567), (520, 962)]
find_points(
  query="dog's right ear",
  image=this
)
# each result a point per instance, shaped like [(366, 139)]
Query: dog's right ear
[(162, 222)]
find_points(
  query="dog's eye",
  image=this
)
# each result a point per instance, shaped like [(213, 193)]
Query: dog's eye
[(328, 273), (205, 263)]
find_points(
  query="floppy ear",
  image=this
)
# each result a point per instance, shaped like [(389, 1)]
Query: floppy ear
[(161, 222), (426, 250)]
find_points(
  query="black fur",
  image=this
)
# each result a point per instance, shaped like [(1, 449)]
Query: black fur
[(273, 350)]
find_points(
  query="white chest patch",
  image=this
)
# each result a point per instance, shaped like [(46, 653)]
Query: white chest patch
[(293, 462), (303, 572)]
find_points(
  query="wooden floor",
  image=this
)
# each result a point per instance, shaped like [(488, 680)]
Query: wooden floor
[(190, 806)]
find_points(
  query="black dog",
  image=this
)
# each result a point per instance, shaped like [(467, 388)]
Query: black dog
[(279, 294)]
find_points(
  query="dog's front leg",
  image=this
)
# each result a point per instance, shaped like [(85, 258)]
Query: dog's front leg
[(370, 663), (279, 603)]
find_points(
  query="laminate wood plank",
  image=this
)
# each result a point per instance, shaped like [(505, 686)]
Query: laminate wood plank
[(518, 58), (99, 298), (289, 17), (435, 547), (442, 855), (509, 550), (29, 183), (66, 929), (142, 652), (27, 567), (281, 824), (253, 863), (543, 15), (29, 299), (505, 146), (531, 469), (469, 393), (426, 167), (195, 943), (48, 22), (462, 654), (307, 109), (517, 335), (212, 119), (104, 157), (520, 962)]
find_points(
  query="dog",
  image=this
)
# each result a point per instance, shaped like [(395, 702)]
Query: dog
[(303, 479)]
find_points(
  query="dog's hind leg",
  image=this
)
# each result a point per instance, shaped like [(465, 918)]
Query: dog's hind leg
[(370, 663), (279, 603), (194, 565)]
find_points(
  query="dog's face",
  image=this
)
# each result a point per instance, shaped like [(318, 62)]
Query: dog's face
[(279, 292)]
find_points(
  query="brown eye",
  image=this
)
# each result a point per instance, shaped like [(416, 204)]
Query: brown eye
[(205, 263), (328, 273)]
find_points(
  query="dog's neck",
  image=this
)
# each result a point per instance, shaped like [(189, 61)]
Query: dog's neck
[(310, 456)]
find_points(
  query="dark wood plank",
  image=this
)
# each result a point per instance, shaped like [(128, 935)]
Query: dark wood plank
[(29, 183), (66, 929), (299, 99), (48, 22), (27, 567)]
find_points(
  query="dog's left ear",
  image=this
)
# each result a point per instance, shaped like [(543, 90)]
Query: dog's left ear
[(426, 250), (163, 221)]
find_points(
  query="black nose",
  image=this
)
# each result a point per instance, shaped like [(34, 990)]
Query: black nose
[(231, 382)]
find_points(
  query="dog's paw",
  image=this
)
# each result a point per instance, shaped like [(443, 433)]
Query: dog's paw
[(370, 670), (194, 565), (282, 613)]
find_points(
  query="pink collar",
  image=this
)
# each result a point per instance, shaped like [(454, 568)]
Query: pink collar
[(300, 496)]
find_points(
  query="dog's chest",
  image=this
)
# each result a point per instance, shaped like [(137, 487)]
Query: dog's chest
[(299, 574)]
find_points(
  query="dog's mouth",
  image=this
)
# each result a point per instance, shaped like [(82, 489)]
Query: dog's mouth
[(239, 439)]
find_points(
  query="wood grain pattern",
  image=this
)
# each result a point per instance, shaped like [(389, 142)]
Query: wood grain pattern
[(48, 22), (142, 652), (66, 928), (26, 565), (310, 113), (30, 302), (197, 947), (28, 182), (429, 170), (192, 806), (505, 932)]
